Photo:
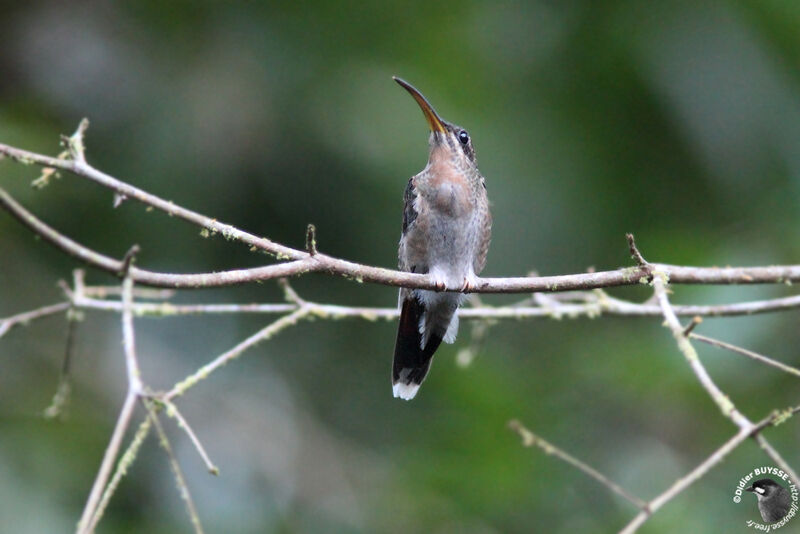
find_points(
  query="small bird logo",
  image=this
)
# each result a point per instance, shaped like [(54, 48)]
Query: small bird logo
[(446, 232), (774, 501)]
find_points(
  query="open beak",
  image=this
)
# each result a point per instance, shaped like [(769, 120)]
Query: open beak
[(430, 114)]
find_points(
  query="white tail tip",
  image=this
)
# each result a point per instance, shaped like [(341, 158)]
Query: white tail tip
[(404, 391)]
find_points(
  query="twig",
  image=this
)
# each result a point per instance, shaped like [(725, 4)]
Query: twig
[(531, 439), (635, 254), (24, 318), (166, 309), (725, 405), (172, 411), (142, 276), (289, 293), (180, 481), (696, 320), (134, 390), (262, 335), (311, 240), (479, 332), (84, 525), (592, 308), (776, 457), (128, 260), (212, 225), (102, 292), (126, 460), (74, 143), (61, 396), (128, 339), (750, 354), (684, 482)]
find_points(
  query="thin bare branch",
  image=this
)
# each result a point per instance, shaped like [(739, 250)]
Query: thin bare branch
[(696, 320), (103, 292), (165, 309), (63, 390), (776, 457), (126, 460), (554, 310), (180, 481), (750, 354), (128, 339), (262, 335), (141, 276), (724, 403), (635, 254), (290, 294), (74, 144), (311, 240), (172, 411), (684, 482), (479, 332), (123, 421), (128, 260), (212, 225), (530, 439), (134, 390), (24, 318), (704, 467)]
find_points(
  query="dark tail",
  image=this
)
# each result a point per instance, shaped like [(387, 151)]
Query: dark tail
[(411, 361)]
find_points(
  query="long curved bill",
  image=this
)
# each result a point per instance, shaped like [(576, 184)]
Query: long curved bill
[(430, 114)]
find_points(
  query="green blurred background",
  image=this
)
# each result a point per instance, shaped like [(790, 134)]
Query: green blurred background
[(678, 121)]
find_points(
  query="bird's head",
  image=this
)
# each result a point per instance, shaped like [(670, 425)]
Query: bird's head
[(764, 487), (447, 140)]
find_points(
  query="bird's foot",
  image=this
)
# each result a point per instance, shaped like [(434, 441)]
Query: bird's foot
[(470, 283), (439, 281)]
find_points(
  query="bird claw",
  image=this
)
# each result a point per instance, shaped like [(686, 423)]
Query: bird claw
[(469, 285)]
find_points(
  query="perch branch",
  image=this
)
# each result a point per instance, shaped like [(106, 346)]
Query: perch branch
[(304, 262)]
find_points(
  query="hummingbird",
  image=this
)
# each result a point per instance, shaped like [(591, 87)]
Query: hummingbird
[(446, 232)]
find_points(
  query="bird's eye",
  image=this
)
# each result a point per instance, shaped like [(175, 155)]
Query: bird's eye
[(463, 136)]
